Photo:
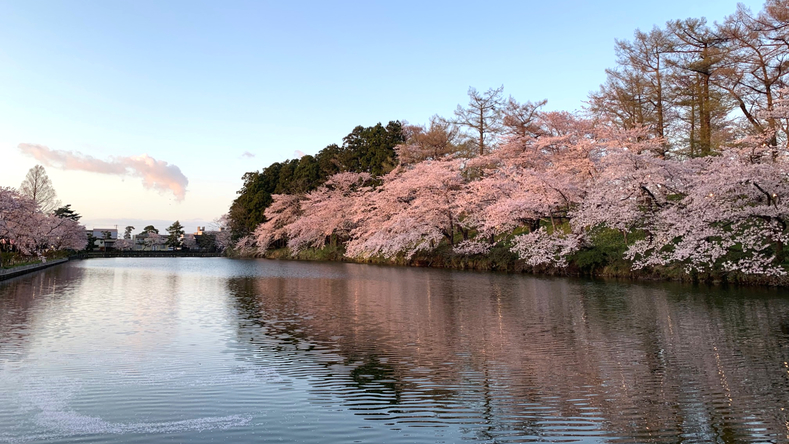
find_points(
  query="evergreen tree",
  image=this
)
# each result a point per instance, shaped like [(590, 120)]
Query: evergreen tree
[(65, 212), (365, 149), (150, 229), (174, 234)]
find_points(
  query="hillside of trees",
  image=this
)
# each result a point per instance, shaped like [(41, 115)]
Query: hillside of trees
[(369, 150), (676, 166)]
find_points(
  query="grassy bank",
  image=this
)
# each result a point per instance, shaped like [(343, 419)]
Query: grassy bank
[(602, 260), (10, 260)]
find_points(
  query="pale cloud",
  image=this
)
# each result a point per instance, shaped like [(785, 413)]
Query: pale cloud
[(248, 155), (155, 174), (299, 154)]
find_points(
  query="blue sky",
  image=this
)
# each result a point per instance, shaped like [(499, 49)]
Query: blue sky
[(198, 84)]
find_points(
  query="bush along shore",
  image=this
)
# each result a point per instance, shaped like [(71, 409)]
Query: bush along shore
[(603, 259)]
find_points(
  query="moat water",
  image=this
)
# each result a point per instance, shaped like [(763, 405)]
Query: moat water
[(210, 349)]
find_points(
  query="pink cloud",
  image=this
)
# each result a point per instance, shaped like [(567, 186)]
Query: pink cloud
[(156, 174)]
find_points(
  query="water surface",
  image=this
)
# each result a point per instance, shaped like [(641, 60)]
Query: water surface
[(208, 349)]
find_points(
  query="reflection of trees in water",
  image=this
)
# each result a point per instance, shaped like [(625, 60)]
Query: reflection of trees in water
[(375, 377), (522, 356), (22, 297), (689, 364)]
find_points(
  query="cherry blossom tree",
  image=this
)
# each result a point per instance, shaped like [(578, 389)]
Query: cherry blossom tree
[(539, 247), (414, 210), (188, 241), (25, 228), (153, 241), (124, 244), (328, 211), (64, 234), (10, 203), (630, 189), (247, 246), (733, 217), (20, 222), (284, 210), (538, 176), (221, 232)]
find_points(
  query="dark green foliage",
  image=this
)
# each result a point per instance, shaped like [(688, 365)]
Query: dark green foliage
[(606, 251), (371, 376), (285, 176), (12, 259), (66, 212), (150, 229), (206, 242), (175, 232), (306, 175), (607, 247), (6, 258), (501, 258), (9, 259), (91, 242), (369, 149), (328, 160), (246, 212)]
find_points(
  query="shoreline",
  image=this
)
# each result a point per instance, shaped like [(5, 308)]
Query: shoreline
[(610, 271), (27, 269)]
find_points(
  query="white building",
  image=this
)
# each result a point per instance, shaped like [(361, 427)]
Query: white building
[(105, 237)]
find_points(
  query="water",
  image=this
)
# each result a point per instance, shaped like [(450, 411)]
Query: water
[(208, 349)]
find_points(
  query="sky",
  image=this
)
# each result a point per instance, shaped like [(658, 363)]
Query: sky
[(147, 112)]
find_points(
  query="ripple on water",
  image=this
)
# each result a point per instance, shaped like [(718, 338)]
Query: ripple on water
[(251, 351)]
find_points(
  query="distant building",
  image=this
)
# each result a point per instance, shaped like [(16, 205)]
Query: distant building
[(205, 240), (150, 242), (105, 237)]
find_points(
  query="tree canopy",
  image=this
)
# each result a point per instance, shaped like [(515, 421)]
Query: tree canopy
[(174, 234), (150, 229), (65, 212), (38, 187), (365, 149)]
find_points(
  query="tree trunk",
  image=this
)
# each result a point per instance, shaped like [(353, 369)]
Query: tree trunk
[(705, 115)]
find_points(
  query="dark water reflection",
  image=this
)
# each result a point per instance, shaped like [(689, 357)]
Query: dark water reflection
[(195, 350)]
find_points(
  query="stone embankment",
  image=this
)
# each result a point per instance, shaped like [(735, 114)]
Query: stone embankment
[(19, 271)]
